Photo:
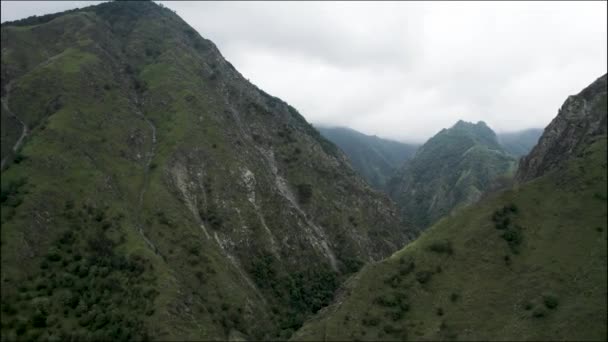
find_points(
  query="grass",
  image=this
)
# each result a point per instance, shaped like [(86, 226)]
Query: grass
[(88, 150), (557, 281)]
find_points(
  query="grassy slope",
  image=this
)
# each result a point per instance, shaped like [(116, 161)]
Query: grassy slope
[(82, 92), (484, 289), (81, 164)]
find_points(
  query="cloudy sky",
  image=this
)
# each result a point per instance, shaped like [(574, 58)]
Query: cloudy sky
[(403, 70)]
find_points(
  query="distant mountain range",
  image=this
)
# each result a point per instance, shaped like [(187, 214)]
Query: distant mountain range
[(526, 264), (450, 170), (519, 143), (376, 159)]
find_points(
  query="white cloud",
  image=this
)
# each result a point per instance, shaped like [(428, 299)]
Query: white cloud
[(405, 69)]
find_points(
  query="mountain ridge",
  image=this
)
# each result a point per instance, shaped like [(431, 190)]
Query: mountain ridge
[(452, 169), (177, 200), (375, 158), (526, 263)]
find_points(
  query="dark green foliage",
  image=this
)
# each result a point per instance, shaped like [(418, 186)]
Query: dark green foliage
[(212, 217), (370, 321), (374, 158), (511, 233), (551, 302), (78, 288), (441, 247), (351, 265), (304, 193), (304, 291), (19, 158), (423, 276), (10, 193), (454, 297), (450, 170), (539, 313)]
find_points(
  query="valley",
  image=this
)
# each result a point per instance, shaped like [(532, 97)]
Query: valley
[(150, 191)]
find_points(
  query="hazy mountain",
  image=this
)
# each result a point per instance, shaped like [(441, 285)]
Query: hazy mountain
[(150, 191), (525, 264), (450, 170), (375, 159), (521, 142)]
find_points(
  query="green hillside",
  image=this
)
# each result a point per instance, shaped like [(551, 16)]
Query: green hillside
[(525, 264), (451, 170), (374, 158), (157, 194)]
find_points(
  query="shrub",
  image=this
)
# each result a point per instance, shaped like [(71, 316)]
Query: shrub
[(441, 247), (512, 236), (304, 193), (19, 158), (538, 313), (454, 296), (423, 276), (39, 319), (370, 322), (550, 301)]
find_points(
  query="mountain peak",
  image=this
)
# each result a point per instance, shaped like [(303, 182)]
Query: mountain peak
[(580, 119)]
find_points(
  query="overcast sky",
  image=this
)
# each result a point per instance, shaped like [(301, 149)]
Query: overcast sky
[(403, 70)]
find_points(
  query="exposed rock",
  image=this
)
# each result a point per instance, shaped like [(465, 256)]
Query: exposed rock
[(578, 121)]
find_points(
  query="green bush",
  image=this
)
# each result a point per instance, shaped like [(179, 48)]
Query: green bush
[(304, 193), (550, 301), (423, 276), (444, 246)]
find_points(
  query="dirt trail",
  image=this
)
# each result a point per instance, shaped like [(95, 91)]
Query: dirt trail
[(5, 104), (24, 130)]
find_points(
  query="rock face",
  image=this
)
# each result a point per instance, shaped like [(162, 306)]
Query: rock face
[(173, 190), (451, 169), (580, 119)]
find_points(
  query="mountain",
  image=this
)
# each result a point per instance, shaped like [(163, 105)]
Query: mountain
[(580, 119), (452, 169), (375, 159), (150, 191), (528, 263), (521, 142)]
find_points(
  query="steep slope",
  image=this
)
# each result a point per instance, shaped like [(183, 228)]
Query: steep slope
[(450, 170), (158, 194), (519, 143), (580, 118), (375, 159), (529, 263)]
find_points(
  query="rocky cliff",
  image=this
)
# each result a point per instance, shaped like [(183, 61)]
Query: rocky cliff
[(581, 118)]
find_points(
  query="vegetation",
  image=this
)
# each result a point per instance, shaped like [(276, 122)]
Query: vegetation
[(374, 158), (178, 200), (466, 299), (451, 170)]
